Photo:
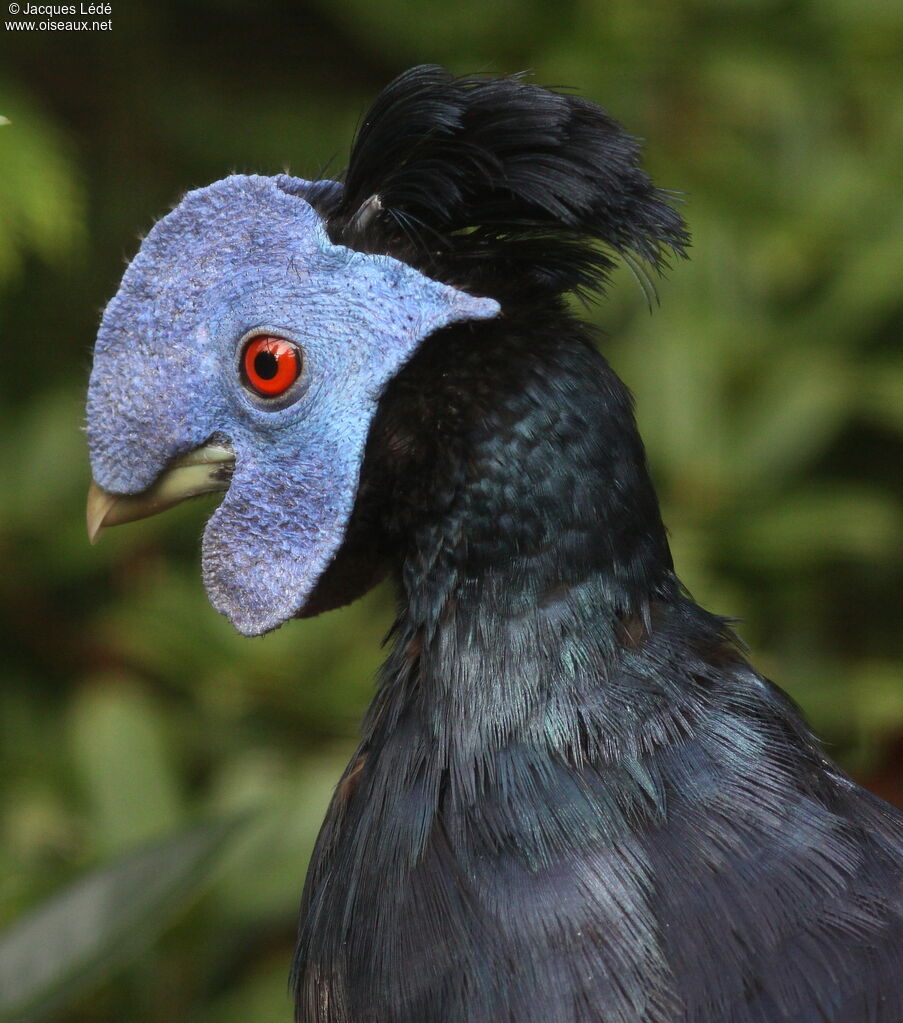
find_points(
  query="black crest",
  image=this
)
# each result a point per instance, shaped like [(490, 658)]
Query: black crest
[(501, 187)]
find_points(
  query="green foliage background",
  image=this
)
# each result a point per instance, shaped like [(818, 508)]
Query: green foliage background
[(769, 387)]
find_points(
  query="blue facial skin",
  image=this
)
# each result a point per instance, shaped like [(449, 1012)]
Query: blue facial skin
[(249, 255)]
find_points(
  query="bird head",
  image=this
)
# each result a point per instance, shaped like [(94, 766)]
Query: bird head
[(246, 352), (258, 332)]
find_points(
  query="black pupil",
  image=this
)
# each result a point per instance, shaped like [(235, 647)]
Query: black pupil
[(265, 364)]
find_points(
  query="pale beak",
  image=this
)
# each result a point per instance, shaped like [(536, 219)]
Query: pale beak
[(202, 471)]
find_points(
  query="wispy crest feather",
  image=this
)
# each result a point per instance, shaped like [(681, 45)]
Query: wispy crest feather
[(501, 187)]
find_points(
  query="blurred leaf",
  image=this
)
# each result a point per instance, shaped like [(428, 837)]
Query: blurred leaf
[(65, 946), (800, 403), (267, 871), (122, 758), (41, 205), (48, 466), (879, 696), (819, 523)]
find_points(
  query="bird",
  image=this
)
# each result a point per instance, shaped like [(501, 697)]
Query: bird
[(574, 800)]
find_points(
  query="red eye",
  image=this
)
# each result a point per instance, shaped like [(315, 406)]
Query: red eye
[(271, 365)]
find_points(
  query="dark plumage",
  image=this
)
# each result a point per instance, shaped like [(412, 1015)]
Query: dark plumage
[(496, 185), (573, 800)]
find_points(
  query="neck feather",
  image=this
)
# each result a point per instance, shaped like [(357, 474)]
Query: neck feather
[(532, 550)]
